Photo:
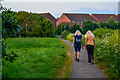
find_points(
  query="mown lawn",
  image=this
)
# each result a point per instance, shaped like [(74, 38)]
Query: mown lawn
[(37, 58)]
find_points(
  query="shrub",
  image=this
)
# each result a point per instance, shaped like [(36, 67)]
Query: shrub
[(103, 32), (32, 25), (61, 28), (107, 54), (64, 34), (10, 28), (74, 28), (70, 37)]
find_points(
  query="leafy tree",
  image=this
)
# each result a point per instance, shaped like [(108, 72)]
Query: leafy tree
[(95, 25), (87, 26), (59, 29), (74, 28), (67, 27), (118, 25), (48, 29), (111, 23), (10, 28), (103, 24), (34, 25)]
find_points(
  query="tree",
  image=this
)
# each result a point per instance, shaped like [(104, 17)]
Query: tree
[(95, 25), (111, 23), (87, 26), (74, 28), (59, 29), (118, 25), (35, 25), (103, 24), (10, 28)]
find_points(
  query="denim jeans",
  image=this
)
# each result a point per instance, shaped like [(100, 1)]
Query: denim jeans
[(90, 49)]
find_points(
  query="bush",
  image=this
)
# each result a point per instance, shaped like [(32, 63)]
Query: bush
[(32, 25), (61, 28), (89, 25), (74, 28), (70, 37), (103, 32), (10, 28), (107, 54), (64, 34), (7, 55)]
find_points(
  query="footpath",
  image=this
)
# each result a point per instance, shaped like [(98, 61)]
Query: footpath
[(82, 69)]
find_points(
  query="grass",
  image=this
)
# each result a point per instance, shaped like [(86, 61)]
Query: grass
[(67, 69), (37, 58)]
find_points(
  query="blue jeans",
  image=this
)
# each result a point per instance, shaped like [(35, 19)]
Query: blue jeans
[(90, 49)]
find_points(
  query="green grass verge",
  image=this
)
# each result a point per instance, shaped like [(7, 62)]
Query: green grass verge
[(67, 69), (37, 58)]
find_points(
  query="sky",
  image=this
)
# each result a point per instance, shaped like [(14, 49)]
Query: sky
[(61, 0), (63, 6)]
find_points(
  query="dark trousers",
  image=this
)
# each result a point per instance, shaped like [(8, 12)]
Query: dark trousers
[(90, 49)]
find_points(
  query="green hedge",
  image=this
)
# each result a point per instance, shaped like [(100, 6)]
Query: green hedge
[(107, 53), (103, 32), (64, 34)]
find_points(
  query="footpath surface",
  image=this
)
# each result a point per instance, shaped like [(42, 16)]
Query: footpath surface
[(82, 69)]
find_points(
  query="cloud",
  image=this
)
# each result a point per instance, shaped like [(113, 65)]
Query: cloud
[(95, 10)]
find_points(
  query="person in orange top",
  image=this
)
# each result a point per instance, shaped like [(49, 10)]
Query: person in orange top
[(90, 46)]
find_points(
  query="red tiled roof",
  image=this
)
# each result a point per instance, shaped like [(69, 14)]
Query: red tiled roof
[(104, 17), (78, 17), (48, 15)]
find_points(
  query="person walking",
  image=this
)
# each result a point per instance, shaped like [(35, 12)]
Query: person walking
[(90, 46), (77, 39)]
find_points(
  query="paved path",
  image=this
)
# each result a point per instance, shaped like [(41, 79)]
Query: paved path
[(82, 69)]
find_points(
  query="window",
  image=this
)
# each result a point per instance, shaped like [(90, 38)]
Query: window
[(73, 21), (81, 22), (78, 22)]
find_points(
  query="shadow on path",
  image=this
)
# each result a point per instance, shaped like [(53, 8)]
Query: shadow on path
[(82, 69)]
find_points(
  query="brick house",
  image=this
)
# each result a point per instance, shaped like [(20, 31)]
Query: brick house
[(104, 17), (50, 17), (73, 18), (118, 15)]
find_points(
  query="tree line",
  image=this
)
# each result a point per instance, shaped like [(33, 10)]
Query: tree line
[(26, 24), (89, 25)]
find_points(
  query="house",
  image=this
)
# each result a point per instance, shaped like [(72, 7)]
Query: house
[(104, 17), (118, 15), (73, 18), (51, 18)]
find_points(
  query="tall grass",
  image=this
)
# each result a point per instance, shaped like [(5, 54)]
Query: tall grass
[(37, 58), (107, 54)]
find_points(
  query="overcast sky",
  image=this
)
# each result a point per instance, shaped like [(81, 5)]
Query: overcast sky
[(63, 6), (61, 0)]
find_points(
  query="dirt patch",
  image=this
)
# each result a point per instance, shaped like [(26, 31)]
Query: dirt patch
[(62, 72), (68, 53)]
